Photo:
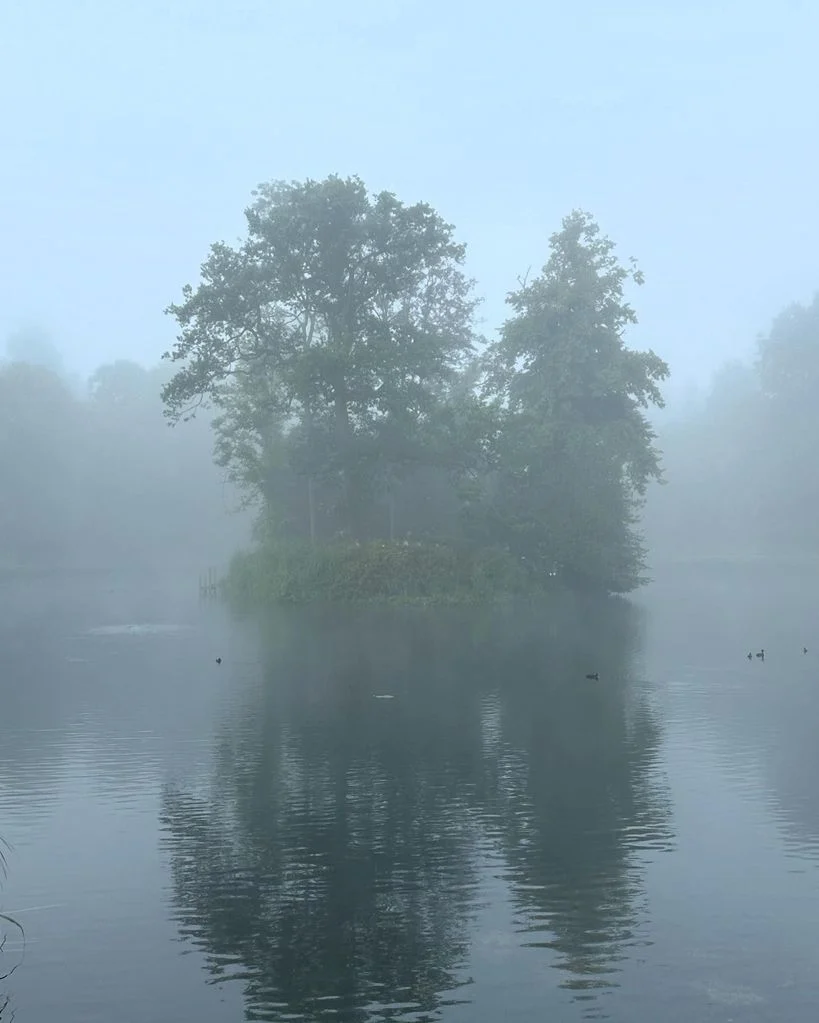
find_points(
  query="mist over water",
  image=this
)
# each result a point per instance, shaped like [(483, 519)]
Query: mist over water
[(501, 837), (408, 534)]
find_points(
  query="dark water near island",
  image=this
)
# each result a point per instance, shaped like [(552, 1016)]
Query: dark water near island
[(266, 839)]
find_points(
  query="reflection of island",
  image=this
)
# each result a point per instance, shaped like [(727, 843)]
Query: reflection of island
[(573, 795), (333, 864)]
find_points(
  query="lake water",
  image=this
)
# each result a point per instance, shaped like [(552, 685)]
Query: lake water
[(265, 839)]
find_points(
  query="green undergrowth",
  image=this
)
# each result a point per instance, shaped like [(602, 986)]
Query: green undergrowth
[(376, 572)]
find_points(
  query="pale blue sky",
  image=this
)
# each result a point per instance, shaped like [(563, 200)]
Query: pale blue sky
[(134, 132)]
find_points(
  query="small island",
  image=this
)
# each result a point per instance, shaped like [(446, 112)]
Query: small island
[(395, 454)]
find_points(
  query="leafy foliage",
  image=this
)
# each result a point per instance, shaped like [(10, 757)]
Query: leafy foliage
[(377, 571), (575, 451), (355, 306), (336, 345)]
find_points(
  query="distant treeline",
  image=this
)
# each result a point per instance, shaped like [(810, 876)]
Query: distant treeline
[(92, 476), (742, 462), (356, 402)]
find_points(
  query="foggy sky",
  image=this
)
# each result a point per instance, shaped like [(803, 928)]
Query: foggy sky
[(134, 133)]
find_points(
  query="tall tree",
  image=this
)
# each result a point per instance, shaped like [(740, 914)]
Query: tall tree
[(33, 346), (41, 440), (356, 303), (788, 419), (576, 451), (788, 355), (259, 446)]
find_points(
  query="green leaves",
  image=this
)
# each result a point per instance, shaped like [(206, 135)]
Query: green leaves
[(357, 304), (577, 451), (336, 343)]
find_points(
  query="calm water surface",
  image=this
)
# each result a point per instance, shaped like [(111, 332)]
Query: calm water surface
[(266, 840)]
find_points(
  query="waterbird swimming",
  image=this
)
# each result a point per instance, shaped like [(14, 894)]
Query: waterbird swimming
[(594, 676), (804, 649), (750, 656), (761, 655), (218, 660)]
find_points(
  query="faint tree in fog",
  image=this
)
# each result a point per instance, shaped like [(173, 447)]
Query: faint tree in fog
[(742, 473), (98, 479), (35, 347), (788, 368), (710, 505), (41, 437)]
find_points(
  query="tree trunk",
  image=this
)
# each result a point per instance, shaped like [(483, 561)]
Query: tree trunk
[(311, 508), (344, 441), (311, 496)]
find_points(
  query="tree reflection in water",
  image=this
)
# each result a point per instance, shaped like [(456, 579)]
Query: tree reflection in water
[(333, 862)]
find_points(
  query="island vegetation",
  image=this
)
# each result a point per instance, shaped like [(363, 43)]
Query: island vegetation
[(394, 453), (384, 448)]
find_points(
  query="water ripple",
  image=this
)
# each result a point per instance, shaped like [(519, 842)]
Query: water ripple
[(498, 841)]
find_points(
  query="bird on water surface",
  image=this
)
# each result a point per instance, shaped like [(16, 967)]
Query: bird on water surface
[(761, 655), (218, 660), (594, 676)]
